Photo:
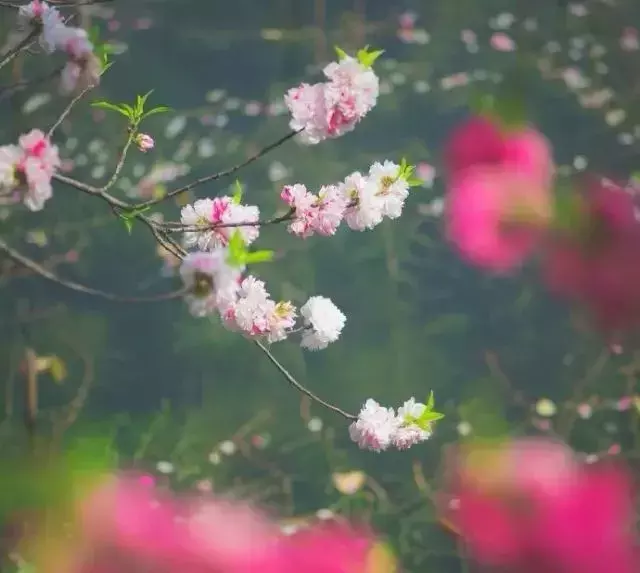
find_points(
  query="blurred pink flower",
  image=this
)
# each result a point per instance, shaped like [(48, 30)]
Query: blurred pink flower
[(495, 216), (125, 526), (595, 263), (502, 43), (529, 505), (482, 141), (475, 141)]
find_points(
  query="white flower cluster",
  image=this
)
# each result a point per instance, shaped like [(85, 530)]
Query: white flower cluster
[(332, 108), (82, 68), (214, 284), (377, 428), (361, 201)]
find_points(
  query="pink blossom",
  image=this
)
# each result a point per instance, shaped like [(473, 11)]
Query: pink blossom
[(332, 108), (495, 217)]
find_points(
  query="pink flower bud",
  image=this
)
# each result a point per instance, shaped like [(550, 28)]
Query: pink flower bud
[(144, 142)]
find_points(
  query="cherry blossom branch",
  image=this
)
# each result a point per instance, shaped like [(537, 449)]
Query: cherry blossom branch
[(177, 227), (220, 174), (40, 270), (289, 377)]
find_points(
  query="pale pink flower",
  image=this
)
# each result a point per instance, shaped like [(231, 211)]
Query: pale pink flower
[(255, 314), (333, 108), (47, 16), (218, 218), (209, 280), (329, 209), (365, 207), (303, 202), (375, 427)]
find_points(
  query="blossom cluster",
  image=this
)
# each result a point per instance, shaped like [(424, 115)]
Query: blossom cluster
[(332, 108), (26, 169), (362, 201), (83, 68), (216, 283), (377, 427)]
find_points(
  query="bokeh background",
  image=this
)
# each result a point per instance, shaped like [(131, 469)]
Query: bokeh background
[(199, 406)]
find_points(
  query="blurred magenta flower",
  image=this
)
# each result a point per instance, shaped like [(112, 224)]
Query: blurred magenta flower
[(530, 505), (594, 259), (496, 217), (482, 141), (123, 526)]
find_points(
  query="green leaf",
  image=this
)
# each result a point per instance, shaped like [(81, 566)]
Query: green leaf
[(259, 257), (128, 223), (156, 110), (428, 417), (122, 109), (430, 402), (367, 58), (237, 192), (341, 53)]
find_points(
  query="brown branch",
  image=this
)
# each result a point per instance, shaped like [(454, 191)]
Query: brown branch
[(220, 174), (289, 377), (31, 395), (40, 270)]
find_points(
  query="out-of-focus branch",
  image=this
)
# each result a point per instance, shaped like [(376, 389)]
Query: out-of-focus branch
[(40, 270)]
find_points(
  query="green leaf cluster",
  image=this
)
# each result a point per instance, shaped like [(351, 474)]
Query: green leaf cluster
[(135, 113)]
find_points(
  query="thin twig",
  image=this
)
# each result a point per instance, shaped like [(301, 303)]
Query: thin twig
[(67, 110), (220, 174), (299, 386), (40, 270)]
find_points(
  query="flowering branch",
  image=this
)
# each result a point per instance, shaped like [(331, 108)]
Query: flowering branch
[(214, 252)]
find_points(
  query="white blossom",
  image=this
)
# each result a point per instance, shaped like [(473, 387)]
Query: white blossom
[(323, 323)]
